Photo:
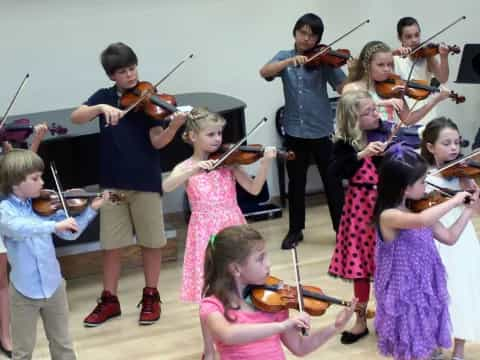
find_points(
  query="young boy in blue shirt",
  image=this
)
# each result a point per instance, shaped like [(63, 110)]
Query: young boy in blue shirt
[(308, 122), (37, 287), (130, 162)]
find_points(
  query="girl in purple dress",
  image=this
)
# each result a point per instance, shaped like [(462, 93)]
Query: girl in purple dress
[(412, 319)]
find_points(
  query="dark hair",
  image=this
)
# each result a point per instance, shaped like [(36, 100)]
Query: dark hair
[(430, 135), (117, 56), (311, 20), (400, 167), (406, 21), (231, 245)]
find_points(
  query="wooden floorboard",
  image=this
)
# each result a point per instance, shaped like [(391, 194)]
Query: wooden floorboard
[(177, 335)]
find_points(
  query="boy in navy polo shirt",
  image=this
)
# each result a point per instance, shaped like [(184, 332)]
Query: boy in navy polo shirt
[(130, 162), (308, 122)]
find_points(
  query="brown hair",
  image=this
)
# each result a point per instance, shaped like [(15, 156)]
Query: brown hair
[(360, 68), (117, 56), (15, 166), (231, 245), (430, 135), (198, 119)]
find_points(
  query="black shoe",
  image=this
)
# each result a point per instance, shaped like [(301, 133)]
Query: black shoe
[(350, 338), (8, 353), (292, 239)]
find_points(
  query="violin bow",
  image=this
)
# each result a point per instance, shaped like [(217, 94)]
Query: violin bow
[(440, 189), (238, 144), (453, 163), (329, 46), (298, 285), (54, 171), (22, 84), (144, 95), (423, 43)]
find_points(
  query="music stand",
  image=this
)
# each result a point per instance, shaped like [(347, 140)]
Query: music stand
[(469, 71)]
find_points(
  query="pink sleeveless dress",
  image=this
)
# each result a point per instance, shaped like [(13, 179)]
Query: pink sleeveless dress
[(213, 201)]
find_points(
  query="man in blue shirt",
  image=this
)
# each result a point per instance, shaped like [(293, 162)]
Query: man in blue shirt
[(308, 122), (37, 286)]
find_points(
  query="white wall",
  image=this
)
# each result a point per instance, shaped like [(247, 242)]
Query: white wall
[(59, 41)]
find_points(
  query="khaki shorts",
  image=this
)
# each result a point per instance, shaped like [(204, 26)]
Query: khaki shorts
[(139, 214)]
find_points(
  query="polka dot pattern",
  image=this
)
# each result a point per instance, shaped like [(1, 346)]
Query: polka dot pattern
[(353, 257)]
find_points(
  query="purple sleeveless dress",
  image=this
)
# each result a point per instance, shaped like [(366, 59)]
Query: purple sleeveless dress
[(412, 318)]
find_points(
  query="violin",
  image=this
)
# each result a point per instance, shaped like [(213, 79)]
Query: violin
[(469, 168), (396, 87), (433, 198), (76, 201), (464, 166), (19, 130), (247, 154), (144, 97), (430, 50), (275, 296), (324, 55)]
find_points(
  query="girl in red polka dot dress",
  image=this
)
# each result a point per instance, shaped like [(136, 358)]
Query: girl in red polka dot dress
[(355, 160)]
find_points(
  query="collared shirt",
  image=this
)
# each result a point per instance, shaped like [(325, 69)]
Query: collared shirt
[(30, 250), (308, 113)]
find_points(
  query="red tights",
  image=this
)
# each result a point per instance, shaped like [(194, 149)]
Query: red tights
[(361, 289)]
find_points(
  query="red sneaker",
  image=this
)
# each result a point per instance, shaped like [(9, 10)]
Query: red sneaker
[(151, 309), (107, 307)]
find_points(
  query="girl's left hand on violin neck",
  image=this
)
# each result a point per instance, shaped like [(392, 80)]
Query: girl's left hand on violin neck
[(269, 153)]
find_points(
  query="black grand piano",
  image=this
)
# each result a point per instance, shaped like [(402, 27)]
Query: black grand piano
[(76, 153)]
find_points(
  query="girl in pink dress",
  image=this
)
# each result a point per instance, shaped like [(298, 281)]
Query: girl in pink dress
[(236, 258), (355, 160), (212, 197)]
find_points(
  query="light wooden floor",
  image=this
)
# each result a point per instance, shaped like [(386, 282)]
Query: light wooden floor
[(177, 334)]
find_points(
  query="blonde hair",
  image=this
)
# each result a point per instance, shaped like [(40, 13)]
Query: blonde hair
[(15, 166), (360, 68), (198, 119), (231, 245), (347, 115)]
